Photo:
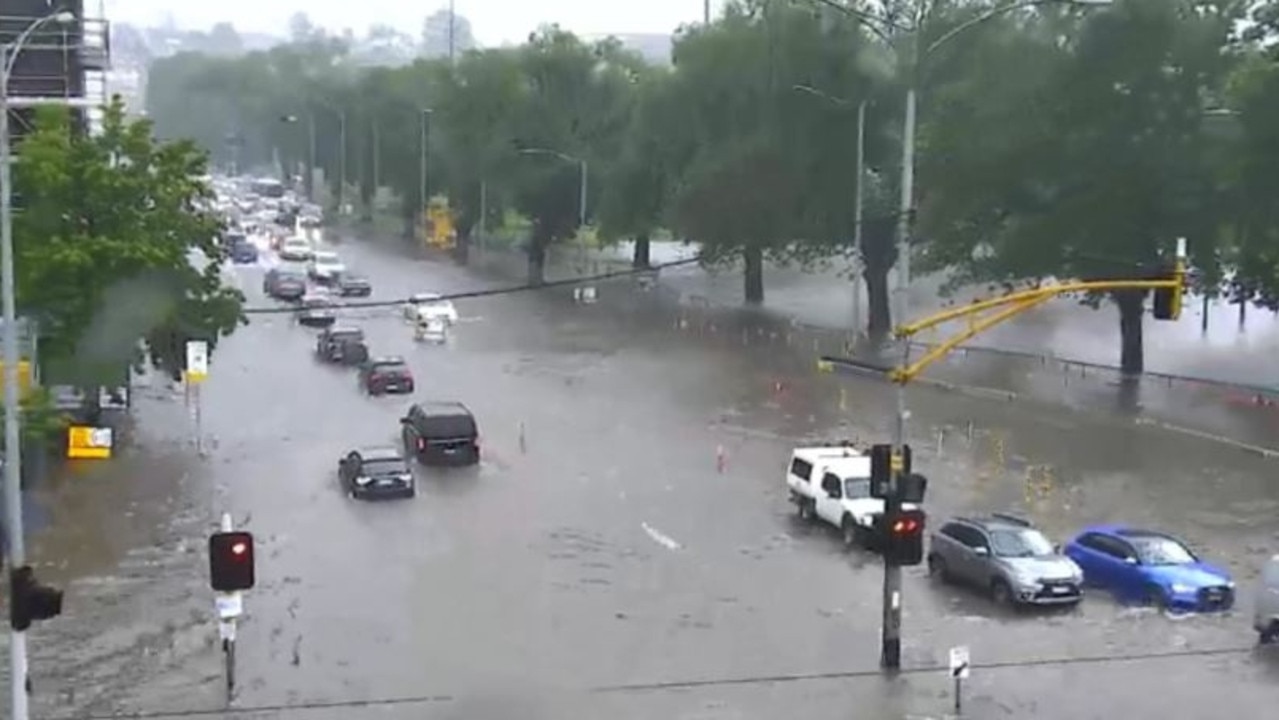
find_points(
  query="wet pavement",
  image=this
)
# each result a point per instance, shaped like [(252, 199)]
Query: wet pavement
[(603, 567)]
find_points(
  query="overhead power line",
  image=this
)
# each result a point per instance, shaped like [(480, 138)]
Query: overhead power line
[(526, 287), (672, 685)]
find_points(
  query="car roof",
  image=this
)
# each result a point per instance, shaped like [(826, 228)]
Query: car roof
[(992, 521), (380, 452), (426, 296), (326, 254), (443, 407), (387, 360), (344, 330)]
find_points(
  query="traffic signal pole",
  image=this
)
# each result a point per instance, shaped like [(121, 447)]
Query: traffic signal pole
[(1168, 301)]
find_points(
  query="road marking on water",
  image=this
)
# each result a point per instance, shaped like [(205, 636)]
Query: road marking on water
[(665, 541)]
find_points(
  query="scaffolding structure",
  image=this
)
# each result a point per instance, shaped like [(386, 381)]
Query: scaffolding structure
[(58, 64)]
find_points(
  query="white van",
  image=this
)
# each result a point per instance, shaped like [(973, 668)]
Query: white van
[(1266, 615)]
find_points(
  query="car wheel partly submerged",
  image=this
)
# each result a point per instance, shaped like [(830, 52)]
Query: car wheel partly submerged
[(1001, 593), (937, 568)]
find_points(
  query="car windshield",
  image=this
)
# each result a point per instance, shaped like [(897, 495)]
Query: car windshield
[(857, 488), (1156, 550), (385, 466), (1019, 543), (390, 368), (317, 302)]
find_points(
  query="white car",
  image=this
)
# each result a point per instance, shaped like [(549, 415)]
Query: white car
[(325, 266), (296, 248), (832, 483), (424, 306)]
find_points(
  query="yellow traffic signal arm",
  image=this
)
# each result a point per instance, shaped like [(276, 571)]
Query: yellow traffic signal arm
[(941, 350), (1040, 293)]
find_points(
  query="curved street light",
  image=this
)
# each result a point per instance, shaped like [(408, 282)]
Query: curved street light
[(18, 673)]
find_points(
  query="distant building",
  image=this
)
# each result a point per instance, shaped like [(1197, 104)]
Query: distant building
[(64, 63)]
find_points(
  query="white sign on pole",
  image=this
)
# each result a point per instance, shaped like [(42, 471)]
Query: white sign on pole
[(959, 662), (197, 360)]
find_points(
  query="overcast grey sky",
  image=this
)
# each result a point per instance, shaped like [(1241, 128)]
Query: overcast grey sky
[(494, 21)]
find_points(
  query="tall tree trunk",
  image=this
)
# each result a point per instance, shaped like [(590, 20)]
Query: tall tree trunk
[(879, 318), (1132, 357), (753, 277), (641, 258), (410, 222)]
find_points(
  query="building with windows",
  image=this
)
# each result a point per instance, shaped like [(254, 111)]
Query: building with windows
[(58, 63)]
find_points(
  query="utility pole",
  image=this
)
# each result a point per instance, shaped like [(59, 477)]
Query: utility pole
[(452, 31), (18, 671), (706, 12), (581, 197), (19, 674), (310, 160), (377, 159), (423, 167), (342, 163), (858, 213)]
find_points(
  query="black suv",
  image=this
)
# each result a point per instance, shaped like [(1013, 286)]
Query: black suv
[(441, 433), (342, 344)]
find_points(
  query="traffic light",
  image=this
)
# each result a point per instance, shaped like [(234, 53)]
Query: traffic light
[(881, 468), (231, 561), (904, 544), (29, 600), (1166, 303)]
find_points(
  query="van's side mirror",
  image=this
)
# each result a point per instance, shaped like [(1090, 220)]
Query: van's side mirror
[(981, 550), (404, 421), (1130, 560)]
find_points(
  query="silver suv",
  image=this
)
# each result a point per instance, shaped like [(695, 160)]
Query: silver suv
[(1007, 557)]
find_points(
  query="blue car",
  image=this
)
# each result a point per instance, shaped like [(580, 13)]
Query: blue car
[(244, 253), (1150, 567)]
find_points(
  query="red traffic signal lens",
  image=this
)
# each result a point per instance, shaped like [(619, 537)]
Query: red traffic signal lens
[(239, 549)]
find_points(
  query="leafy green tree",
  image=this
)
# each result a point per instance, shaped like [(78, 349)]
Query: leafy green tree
[(113, 248), (765, 170), (1099, 161)]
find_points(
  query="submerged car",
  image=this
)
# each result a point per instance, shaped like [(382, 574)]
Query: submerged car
[(375, 473), (1150, 567), (386, 375), (342, 345), (283, 284), (325, 266), (425, 306), (352, 285), (244, 252), (1007, 557), (317, 311)]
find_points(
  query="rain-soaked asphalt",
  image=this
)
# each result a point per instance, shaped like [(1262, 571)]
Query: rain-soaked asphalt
[(608, 569)]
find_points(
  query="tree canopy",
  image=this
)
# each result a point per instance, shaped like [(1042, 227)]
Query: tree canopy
[(113, 249), (1054, 140)]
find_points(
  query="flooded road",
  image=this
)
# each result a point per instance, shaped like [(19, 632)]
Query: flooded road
[(598, 563)]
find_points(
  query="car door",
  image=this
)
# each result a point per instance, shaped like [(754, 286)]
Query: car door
[(1127, 576), (830, 499), (1100, 559), (972, 550)]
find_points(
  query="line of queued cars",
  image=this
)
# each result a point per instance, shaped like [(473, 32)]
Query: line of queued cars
[(1011, 560), (436, 433)]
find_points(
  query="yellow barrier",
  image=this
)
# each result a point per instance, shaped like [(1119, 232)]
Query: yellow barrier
[(89, 443)]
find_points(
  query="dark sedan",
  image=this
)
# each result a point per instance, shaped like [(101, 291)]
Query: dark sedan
[(342, 345), (350, 285), (376, 473), (284, 285), (386, 375)]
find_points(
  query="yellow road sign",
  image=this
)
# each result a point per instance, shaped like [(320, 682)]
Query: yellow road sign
[(24, 378), (89, 443)]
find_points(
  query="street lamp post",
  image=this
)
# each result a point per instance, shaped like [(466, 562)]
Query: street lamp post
[(890, 638), (583, 177), (423, 168), (858, 198), (18, 672)]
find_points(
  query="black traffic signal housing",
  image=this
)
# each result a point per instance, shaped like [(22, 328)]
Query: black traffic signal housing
[(881, 468), (1166, 302), (231, 561), (29, 600), (904, 538)]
